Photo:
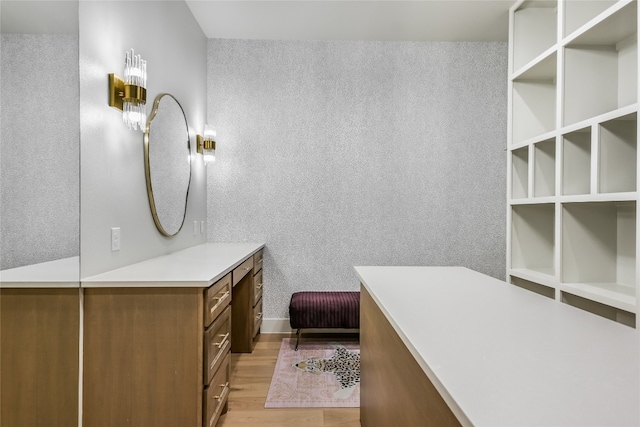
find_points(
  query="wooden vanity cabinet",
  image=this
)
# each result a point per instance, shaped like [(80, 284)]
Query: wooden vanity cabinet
[(156, 356), (39, 331), (157, 337)]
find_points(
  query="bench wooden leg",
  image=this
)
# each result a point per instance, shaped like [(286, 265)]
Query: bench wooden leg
[(297, 338)]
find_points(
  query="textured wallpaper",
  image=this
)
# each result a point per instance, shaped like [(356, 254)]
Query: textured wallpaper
[(338, 154), (39, 149)]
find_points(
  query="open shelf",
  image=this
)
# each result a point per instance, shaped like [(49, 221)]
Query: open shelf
[(618, 23), (601, 67), (604, 310), (542, 68), (532, 237), (534, 108), (544, 183), (535, 29), (615, 295), (579, 12), (534, 99), (520, 177), (599, 248), (618, 154), (573, 147), (576, 162), (533, 287)]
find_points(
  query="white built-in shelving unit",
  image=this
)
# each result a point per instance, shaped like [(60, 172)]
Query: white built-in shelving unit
[(573, 154)]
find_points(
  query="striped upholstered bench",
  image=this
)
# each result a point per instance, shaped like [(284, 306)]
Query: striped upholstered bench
[(324, 309)]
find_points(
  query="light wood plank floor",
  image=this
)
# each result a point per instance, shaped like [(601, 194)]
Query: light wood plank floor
[(250, 379)]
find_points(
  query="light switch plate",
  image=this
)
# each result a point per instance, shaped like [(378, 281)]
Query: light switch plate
[(201, 227), (195, 228)]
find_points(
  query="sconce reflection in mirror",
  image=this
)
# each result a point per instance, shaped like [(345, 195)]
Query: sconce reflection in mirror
[(207, 145), (130, 94)]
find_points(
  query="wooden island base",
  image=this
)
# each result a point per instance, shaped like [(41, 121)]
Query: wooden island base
[(403, 396)]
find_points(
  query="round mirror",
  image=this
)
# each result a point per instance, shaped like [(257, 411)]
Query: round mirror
[(167, 163)]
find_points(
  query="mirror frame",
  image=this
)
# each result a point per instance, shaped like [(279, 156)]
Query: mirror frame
[(147, 165)]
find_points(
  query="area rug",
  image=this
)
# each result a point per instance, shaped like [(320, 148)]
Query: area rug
[(321, 374)]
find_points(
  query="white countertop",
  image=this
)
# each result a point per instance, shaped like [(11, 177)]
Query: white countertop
[(503, 356), (61, 273), (197, 266)]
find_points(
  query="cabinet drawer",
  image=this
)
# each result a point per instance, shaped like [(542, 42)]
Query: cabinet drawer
[(242, 270), (217, 298), (217, 342), (216, 394), (257, 287), (257, 261), (257, 318)]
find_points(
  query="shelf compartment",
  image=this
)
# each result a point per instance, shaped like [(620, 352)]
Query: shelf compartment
[(533, 287), (604, 310), (617, 23), (532, 237), (579, 12), (599, 248), (535, 29), (544, 67), (534, 99), (520, 177), (544, 172), (534, 108), (576, 162), (611, 294), (618, 155), (601, 67)]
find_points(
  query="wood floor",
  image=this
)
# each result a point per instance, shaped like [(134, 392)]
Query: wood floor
[(250, 379)]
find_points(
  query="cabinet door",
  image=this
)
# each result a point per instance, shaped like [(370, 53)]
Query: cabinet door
[(143, 352), (39, 334)]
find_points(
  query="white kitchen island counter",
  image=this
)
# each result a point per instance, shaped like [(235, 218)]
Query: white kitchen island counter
[(497, 355)]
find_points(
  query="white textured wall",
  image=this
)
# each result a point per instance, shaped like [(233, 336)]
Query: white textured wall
[(39, 149), (113, 186), (358, 153)]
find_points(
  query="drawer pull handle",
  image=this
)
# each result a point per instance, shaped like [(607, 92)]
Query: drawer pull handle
[(259, 286), (259, 316), (221, 347), (223, 341), (259, 261), (225, 391), (219, 299), (246, 268)]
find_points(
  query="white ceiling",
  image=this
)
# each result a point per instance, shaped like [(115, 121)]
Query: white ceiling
[(39, 17), (445, 20)]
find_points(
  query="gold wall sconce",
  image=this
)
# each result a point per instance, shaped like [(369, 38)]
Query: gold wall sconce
[(130, 94), (207, 145)]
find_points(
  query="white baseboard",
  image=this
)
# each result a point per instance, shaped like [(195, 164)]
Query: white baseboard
[(275, 326), (282, 326)]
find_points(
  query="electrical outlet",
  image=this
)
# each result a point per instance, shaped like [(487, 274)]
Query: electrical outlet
[(201, 227), (195, 228), (115, 239)]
